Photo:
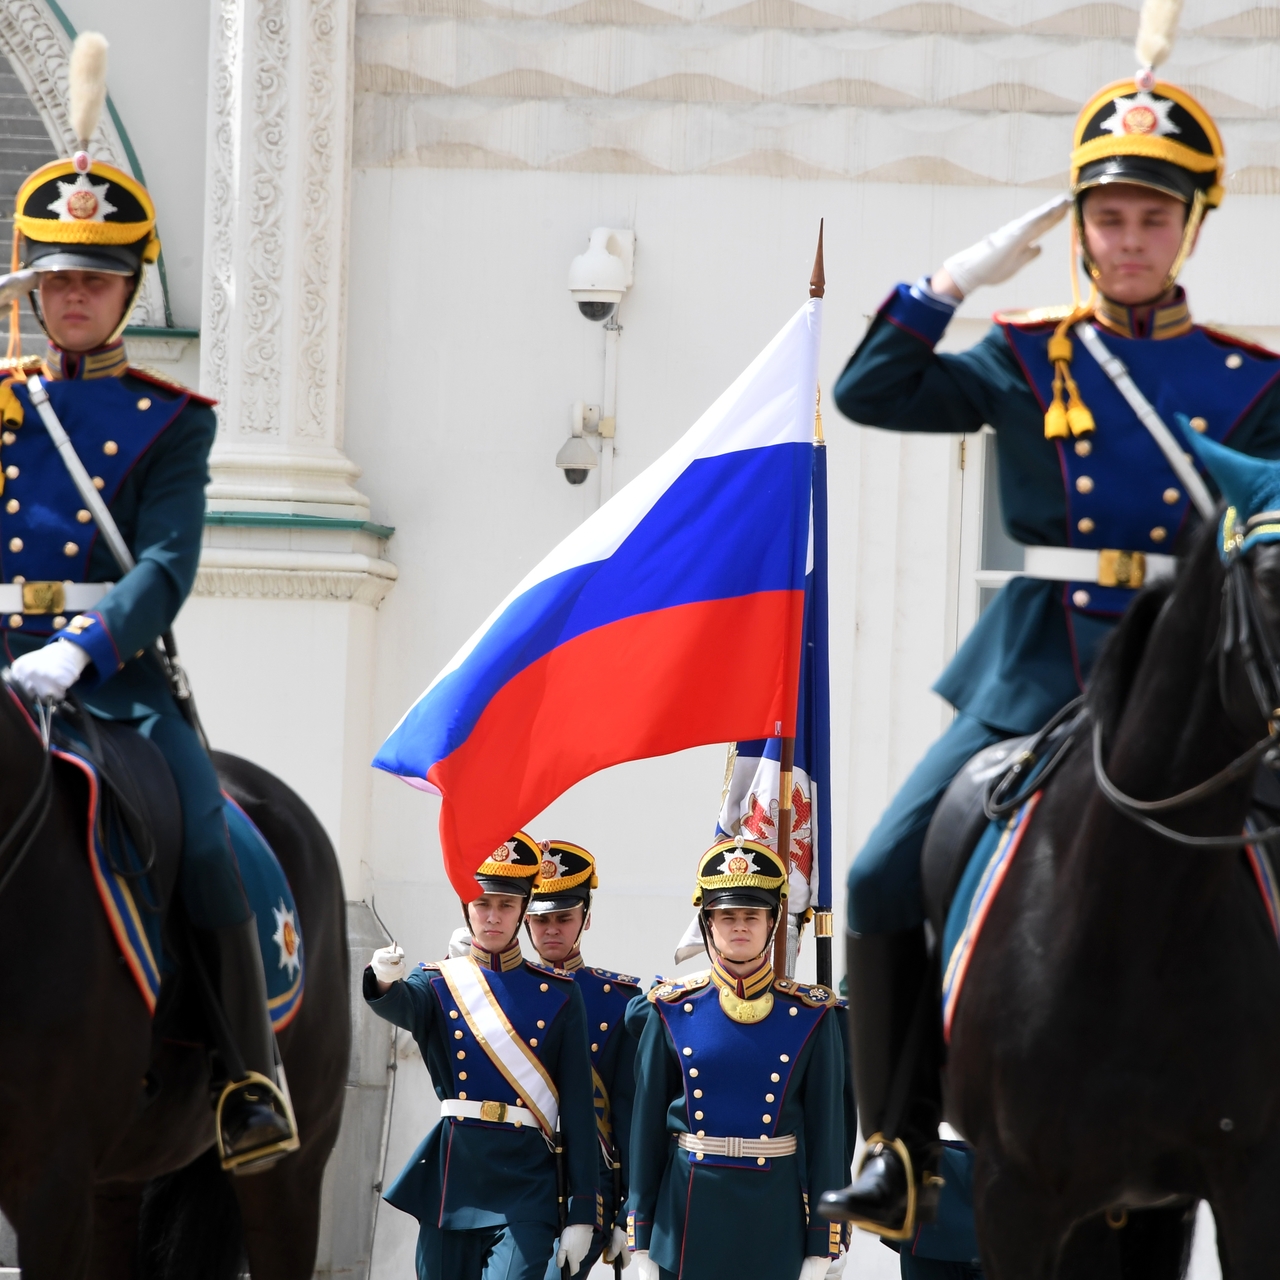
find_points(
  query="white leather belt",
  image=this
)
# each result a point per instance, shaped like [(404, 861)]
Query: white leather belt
[(1105, 568), (51, 597), (493, 1112), (739, 1148)]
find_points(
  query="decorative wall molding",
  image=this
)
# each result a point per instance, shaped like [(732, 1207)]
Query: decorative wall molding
[(39, 50), (265, 583)]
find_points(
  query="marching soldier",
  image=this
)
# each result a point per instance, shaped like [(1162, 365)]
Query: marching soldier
[(1088, 488), (559, 914), (72, 619), (505, 1041), (738, 1123)]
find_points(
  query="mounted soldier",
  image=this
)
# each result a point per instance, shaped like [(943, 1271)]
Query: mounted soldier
[(559, 914), (738, 1124), (512, 1163), (1098, 498), (75, 620)]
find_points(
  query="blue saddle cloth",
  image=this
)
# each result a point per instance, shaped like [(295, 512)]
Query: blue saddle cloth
[(128, 900)]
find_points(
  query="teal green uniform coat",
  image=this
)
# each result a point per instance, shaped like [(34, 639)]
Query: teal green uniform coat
[(468, 1173), (717, 1216)]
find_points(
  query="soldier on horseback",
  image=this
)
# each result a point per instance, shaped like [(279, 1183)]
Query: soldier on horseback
[(1097, 502), (73, 622)]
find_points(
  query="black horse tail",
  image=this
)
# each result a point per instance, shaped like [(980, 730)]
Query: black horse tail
[(189, 1227)]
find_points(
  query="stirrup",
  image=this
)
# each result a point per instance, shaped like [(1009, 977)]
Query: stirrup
[(908, 1228), (246, 1162)]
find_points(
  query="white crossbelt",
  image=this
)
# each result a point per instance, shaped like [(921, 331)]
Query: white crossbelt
[(51, 597), (739, 1148), (1103, 568), (493, 1112)]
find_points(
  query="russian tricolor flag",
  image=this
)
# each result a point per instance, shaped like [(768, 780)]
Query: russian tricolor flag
[(689, 583)]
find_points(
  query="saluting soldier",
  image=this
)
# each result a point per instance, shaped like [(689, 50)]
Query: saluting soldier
[(738, 1124), (559, 914), (505, 1041), (71, 618), (1097, 503)]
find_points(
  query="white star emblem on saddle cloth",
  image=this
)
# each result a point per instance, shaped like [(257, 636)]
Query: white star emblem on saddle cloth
[(286, 938)]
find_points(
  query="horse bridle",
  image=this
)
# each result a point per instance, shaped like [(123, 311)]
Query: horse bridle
[(1243, 629), (36, 810)]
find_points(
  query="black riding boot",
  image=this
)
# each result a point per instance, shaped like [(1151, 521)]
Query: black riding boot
[(894, 1044), (254, 1120)]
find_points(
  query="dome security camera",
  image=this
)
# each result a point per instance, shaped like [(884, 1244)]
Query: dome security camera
[(575, 459), (599, 277)]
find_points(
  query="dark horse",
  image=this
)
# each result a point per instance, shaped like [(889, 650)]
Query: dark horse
[(1116, 1048), (106, 1127)]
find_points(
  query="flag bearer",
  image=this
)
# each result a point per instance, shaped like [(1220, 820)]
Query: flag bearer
[(558, 915), (1098, 505), (505, 1041), (738, 1123)]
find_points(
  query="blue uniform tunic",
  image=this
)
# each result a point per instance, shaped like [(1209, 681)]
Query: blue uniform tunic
[(613, 1050), (700, 1071), (1032, 649), (146, 444), (493, 1180)]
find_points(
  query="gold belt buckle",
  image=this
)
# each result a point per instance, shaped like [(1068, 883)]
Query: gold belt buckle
[(1121, 568), (494, 1111), (44, 597)]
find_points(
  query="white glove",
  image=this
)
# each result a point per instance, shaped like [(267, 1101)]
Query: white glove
[(814, 1268), (836, 1269), (388, 964), (1005, 251), (617, 1248), (646, 1268), (51, 671), (459, 943), (575, 1244)]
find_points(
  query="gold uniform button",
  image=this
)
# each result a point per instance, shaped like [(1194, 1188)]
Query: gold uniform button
[(453, 1013), (59, 622), (1159, 533), (12, 471), (83, 516), (759, 1159), (606, 987), (462, 1075), (1083, 448), (69, 548), (1084, 484), (15, 544), (767, 1118), (145, 403), (604, 1026), (462, 1097), (533, 1041), (1085, 526), (541, 1024), (784, 1057), (688, 1053), (15, 619), (595, 1048), (9, 437), (697, 1115), (794, 1011), (457, 1035), (697, 1093), (99, 482), (1171, 496), (1199, 424), (19, 579), (542, 986), (688, 1008), (693, 1071), (775, 1077), (111, 448), (702, 1133), (1235, 360), (768, 1097), (699, 1155), (1080, 599), (12, 505)]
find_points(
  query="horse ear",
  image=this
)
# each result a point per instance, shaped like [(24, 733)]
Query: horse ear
[(1248, 484)]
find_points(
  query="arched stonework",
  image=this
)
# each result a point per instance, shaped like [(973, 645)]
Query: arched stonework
[(39, 50)]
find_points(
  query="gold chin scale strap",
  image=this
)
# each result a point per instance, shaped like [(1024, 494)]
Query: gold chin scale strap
[(1072, 418)]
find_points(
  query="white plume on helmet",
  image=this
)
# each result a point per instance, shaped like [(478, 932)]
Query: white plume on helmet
[(1157, 29), (87, 84)]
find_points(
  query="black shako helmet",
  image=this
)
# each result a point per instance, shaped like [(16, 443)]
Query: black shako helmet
[(565, 879)]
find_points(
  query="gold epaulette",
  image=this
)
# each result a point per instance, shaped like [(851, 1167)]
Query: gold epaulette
[(815, 996), (1036, 315), (674, 988), (622, 979), (147, 374), (23, 364), (549, 969), (429, 964)]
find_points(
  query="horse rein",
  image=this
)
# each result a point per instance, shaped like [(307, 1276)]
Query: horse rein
[(1241, 623), (36, 810)]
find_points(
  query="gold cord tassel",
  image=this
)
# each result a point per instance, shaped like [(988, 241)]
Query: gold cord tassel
[(1071, 418)]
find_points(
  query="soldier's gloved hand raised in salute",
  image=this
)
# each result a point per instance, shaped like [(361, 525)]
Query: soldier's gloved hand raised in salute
[(1001, 254), (388, 964)]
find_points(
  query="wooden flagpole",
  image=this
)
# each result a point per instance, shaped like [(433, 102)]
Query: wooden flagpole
[(786, 765)]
